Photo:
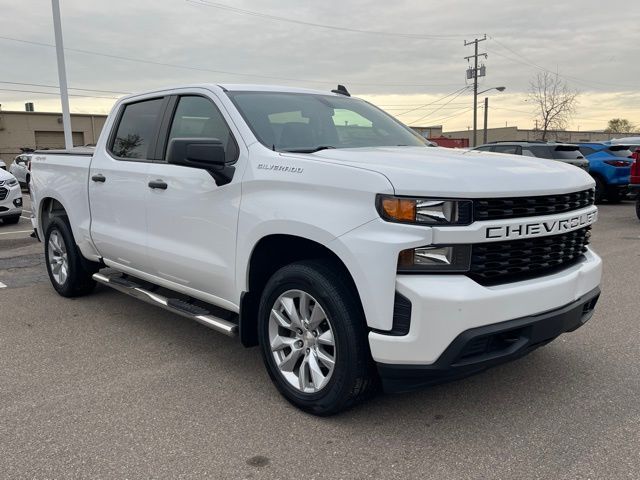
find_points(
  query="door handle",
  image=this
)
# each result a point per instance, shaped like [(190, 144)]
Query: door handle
[(159, 184), (99, 178)]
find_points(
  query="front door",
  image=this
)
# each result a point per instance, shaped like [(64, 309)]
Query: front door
[(192, 221)]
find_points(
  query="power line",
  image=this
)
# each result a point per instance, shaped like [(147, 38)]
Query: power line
[(525, 61), (53, 93), (70, 88), (242, 11), (435, 101), (441, 107), (225, 72), (447, 117)]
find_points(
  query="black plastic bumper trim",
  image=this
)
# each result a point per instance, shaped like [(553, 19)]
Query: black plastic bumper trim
[(477, 349)]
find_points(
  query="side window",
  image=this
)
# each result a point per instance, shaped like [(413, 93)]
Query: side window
[(527, 153), (198, 117), (486, 148), (513, 149), (541, 151), (586, 151), (136, 133)]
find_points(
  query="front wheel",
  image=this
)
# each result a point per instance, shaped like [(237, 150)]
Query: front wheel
[(70, 273), (601, 189), (313, 338), (638, 206)]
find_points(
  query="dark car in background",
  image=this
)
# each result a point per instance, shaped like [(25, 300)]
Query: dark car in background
[(634, 179), (562, 152), (610, 166)]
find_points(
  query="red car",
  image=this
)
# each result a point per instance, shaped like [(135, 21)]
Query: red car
[(634, 180)]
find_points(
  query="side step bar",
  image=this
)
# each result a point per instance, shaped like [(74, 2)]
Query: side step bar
[(173, 305)]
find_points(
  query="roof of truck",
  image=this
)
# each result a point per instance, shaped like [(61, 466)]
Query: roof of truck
[(247, 87)]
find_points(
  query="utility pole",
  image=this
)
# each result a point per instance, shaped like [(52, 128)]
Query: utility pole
[(475, 75), (62, 75)]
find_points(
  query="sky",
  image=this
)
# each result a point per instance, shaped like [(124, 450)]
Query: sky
[(405, 56)]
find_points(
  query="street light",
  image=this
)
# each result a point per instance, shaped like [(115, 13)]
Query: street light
[(486, 110)]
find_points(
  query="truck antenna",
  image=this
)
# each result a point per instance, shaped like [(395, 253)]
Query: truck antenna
[(341, 90)]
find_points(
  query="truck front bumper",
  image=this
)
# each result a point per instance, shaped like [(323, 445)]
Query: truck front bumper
[(483, 347), (452, 314)]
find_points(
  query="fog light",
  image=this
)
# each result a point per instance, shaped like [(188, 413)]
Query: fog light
[(18, 202), (449, 258)]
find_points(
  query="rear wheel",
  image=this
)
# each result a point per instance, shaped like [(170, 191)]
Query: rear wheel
[(70, 273), (613, 195), (313, 338), (13, 219), (638, 206)]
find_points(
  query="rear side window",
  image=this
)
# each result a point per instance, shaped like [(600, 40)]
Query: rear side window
[(515, 149), (198, 117), (540, 151), (136, 133)]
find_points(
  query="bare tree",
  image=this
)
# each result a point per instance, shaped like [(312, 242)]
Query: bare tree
[(620, 125), (555, 102)]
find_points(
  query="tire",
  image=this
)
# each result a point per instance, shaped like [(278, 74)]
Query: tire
[(613, 195), (353, 377), (601, 189), (12, 220), (638, 207), (72, 278)]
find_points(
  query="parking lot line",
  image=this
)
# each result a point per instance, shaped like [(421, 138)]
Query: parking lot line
[(2, 285), (19, 231)]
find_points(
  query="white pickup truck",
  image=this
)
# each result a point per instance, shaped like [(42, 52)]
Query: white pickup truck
[(317, 226)]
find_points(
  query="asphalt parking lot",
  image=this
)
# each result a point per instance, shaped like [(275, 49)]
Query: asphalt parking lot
[(106, 386)]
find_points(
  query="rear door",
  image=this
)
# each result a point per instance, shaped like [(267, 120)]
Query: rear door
[(118, 188), (191, 220)]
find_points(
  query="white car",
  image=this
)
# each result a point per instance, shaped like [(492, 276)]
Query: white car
[(319, 227), (10, 198), (20, 168)]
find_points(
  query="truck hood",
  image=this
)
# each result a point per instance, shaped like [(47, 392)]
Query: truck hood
[(447, 172)]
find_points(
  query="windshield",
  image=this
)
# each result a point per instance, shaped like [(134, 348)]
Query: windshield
[(307, 123), (567, 152)]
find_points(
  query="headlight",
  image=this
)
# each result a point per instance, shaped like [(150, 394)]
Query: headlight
[(450, 258), (12, 183), (424, 211)]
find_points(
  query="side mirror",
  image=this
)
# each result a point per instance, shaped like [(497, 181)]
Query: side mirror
[(196, 152), (205, 153)]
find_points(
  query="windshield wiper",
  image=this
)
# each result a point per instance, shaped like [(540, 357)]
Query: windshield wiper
[(309, 150)]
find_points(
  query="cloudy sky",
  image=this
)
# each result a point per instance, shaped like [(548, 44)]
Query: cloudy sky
[(402, 55)]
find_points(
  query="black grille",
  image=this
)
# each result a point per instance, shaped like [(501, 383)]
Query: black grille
[(3, 193), (499, 208), (515, 260)]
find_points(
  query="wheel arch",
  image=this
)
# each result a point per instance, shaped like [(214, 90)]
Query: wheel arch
[(269, 254)]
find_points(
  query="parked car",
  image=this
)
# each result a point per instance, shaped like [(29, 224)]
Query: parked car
[(20, 168), (634, 179), (609, 165), (563, 152), (323, 230), (10, 198)]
